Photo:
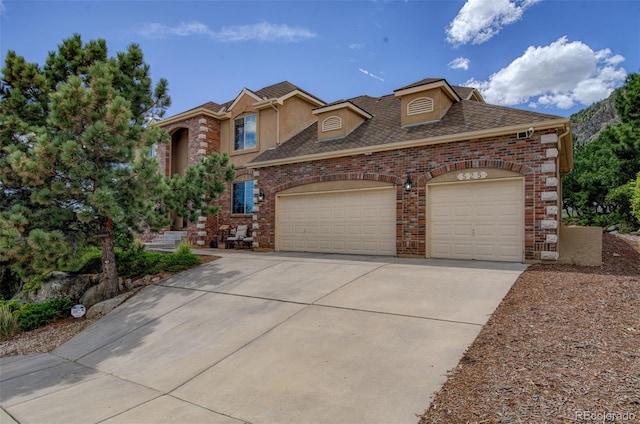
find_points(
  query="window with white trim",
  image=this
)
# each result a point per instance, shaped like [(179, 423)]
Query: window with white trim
[(245, 133), (420, 105), (332, 123)]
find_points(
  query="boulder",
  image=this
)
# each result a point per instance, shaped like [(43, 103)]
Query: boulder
[(94, 294), (61, 284), (104, 307)]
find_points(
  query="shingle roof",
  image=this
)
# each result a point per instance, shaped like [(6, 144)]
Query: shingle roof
[(419, 83), (212, 106), (385, 127), (463, 92), (275, 91)]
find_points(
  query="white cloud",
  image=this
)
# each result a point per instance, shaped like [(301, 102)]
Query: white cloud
[(263, 32), (155, 30), (561, 75), (460, 63), (256, 32), (479, 20), (356, 46), (364, 71), (2, 8)]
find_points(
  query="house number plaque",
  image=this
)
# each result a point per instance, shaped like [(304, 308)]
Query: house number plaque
[(472, 175)]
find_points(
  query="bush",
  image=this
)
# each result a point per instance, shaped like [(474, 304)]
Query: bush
[(88, 262), (35, 315), (10, 281), (178, 262), (183, 249), (8, 323), (136, 261)]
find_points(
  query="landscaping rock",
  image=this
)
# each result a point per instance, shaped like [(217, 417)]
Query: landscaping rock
[(62, 284), (94, 294), (102, 308)]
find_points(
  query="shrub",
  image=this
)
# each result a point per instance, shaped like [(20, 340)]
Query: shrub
[(136, 261), (34, 283), (8, 323), (178, 262), (183, 249), (34, 315), (88, 262), (10, 281)]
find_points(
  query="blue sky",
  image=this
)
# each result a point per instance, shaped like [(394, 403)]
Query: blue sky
[(549, 56)]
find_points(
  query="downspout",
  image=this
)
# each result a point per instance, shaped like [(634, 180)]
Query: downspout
[(561, 136), (277, 122)]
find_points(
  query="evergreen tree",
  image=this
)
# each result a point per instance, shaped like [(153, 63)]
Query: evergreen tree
[(74, 157), (599, 188)]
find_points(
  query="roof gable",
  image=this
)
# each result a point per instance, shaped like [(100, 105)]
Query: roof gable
[(465, 119)]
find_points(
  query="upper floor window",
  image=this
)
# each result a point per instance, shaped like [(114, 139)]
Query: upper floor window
[(242, 197), (245, 133), (420, 105)]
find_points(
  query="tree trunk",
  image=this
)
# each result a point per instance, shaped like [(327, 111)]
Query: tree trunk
[(109, 261)]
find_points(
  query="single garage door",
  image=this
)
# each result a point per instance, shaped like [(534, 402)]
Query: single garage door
[(477, 220), (353, 221)]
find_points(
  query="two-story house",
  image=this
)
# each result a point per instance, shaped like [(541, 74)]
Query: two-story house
[(430, 170)]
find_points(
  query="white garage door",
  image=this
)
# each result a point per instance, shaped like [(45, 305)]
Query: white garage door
[(478, 220), (355, 222)]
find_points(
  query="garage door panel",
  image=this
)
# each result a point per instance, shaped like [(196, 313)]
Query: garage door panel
[(359, 222), (462, 230), (508, 231), (461, 211), (463, 250), (441, 211), (477, 220)]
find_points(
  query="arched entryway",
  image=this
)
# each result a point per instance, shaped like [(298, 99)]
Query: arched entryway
[(179, 160)]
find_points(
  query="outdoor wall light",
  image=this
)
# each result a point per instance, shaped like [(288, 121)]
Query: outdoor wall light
[(408, 184), (261, 195)]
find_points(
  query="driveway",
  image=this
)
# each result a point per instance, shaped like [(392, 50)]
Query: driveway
[(266, 338)]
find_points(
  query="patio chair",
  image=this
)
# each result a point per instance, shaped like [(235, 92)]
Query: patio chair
[(246, 242), (238, 237)]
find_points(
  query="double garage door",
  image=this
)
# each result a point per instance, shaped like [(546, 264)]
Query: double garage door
[(352, 222), (477, 220), (467, 220)]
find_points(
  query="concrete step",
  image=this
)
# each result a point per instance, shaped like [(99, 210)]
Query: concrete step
[(168, 240)]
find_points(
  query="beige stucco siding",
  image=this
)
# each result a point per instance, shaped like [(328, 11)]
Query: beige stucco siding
[(295, 115), (441, 103)]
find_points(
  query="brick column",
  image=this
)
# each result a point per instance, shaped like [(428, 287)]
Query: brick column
[(550, 221)]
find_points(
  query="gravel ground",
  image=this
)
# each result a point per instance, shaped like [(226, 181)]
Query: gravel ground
[(562, 347)]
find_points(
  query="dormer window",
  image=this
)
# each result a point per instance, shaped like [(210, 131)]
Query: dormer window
[(332, 123), (420, 105), (245, 133)]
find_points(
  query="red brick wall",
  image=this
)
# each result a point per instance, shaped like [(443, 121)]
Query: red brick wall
[(422, 164), (204, 139), (524, 157)]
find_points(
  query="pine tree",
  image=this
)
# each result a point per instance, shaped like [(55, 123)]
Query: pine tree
[(74, 157)]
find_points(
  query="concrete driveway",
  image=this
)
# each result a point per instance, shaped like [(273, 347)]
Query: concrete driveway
[(266, 338)]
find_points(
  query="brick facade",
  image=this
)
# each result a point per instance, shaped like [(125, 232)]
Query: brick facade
[(533, 156), (204, 139), (525, 157)]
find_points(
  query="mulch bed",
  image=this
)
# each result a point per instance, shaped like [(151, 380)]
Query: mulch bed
[(562, 347)]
